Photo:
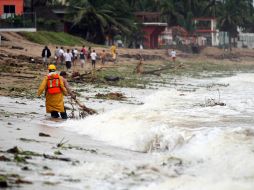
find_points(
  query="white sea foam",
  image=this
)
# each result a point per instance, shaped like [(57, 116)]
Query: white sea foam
[(215, 143), (219, 159), (159, 120)]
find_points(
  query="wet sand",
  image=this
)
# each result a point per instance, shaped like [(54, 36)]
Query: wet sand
[(21, 122)]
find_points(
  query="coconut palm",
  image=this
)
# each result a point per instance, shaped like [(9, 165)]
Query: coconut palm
[(99, 19)]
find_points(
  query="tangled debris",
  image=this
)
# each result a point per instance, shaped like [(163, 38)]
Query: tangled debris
[(212, 102), (10, 180), (83, 111), (86, 76)]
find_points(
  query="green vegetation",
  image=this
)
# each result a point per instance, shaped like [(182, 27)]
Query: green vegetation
[(58, 38), (20, 159), (2, 178), (98, 21)]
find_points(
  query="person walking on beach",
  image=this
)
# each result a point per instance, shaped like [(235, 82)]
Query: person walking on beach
[(113, 52), (61, 55), (54, 89), (68, 58), (173, 55), (57, 57), (93, 58), (45, 55), (139, 68), (82, 59), (75, 57), (103, 57), (83, 50)]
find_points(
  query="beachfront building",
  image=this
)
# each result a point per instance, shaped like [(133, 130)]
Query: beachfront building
[(14, 18), (206, 31), (9, 8), (152, 28), (245, 40), (174, 35), (205, 34)]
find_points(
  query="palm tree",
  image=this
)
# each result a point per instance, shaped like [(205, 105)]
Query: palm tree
[(169, 12), (99, 19)]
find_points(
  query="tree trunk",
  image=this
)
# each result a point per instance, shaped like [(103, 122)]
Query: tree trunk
[(230, 44)]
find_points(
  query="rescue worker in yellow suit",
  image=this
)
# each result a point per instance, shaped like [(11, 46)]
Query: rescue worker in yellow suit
[(54, 89)]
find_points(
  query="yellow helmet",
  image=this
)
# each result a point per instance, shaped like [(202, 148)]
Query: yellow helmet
[(51, 67)]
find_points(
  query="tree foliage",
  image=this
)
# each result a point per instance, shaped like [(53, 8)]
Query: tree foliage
[(98, 19)]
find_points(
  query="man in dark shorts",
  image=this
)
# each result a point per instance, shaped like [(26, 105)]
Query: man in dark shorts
[(68, 59)]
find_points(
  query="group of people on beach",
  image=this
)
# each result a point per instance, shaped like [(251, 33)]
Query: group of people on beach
[(77, 57), (56, 86)]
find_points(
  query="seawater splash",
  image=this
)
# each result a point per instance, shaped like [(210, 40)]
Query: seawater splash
[(196, 147), (214, 159), (140, 128), (161, 122)]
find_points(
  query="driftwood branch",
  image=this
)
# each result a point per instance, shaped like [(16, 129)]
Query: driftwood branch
[(90, 111), (83, 110), (155, 72)]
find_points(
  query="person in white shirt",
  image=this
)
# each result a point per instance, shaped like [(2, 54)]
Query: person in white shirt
[(57, 57), (75, 56), (61, 55), (93, 58), (68, 58), (173, 55)]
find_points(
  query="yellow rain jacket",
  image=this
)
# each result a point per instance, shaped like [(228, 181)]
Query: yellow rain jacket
[(113, 51), (54, 102)]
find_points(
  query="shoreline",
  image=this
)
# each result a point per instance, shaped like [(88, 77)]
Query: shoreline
[(72, 160), (182, 122)]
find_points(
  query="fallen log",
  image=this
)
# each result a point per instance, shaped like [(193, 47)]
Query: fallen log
[(154, 72), (91, 72)]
